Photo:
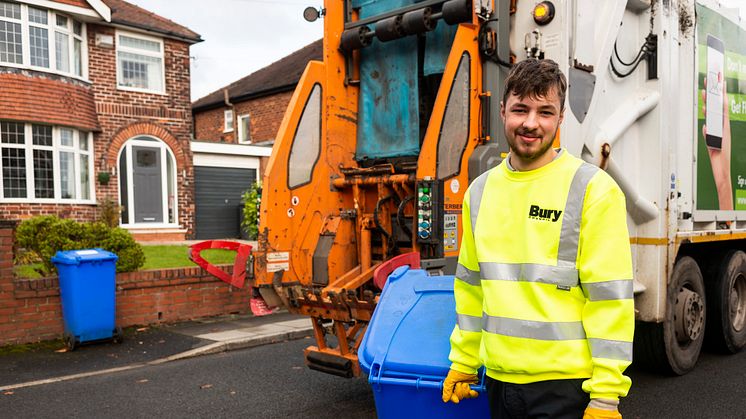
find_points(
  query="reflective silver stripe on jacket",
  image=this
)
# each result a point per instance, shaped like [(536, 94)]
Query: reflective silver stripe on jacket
[(469, 323), (609, 290), (611, 349), (529, 272), (533, 329), (467, 275), (476, 190), (570, 234)]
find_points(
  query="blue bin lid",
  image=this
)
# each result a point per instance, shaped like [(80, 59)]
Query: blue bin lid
[(76, 257), (409, 332)]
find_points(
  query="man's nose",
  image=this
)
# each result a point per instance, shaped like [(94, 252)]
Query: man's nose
[(531, 121)]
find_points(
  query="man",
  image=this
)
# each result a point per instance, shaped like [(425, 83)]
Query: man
[(544, 283)]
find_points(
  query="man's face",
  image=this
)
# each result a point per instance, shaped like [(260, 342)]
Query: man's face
[(531, 123)]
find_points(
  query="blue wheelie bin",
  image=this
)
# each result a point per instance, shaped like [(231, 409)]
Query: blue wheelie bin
[(87, 290), (405, 349)]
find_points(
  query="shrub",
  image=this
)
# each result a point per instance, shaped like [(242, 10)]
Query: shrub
[(41, 237), (252, 199), (109, 212)]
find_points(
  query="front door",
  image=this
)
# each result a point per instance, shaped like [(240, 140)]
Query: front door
[(147, 184)]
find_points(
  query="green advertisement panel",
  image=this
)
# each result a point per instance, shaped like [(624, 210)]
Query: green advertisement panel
[(721, 112)]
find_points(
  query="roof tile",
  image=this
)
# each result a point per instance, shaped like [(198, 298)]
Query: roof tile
[(130, 15)]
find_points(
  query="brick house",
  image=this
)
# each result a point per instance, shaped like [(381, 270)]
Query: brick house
[(95, 106), (234, 128)]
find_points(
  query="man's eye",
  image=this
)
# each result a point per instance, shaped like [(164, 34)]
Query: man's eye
[(547, 113), (519, 111)]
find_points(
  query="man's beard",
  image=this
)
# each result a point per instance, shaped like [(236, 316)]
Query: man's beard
[(529, 156)]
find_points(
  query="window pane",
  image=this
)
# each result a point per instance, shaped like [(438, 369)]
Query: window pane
[(12, 133), (11, 46), (83, 140), (244, 129), (138, 43), (78, 57), (67, 175), (62, 21), (140, 71), (454, 133), (62, 49), (77, 28), (42, 135), (307, 142), (170, 189), (39, 44), (85, 178), (66, 137), (43, 174), (37, 15), (123, 193), (14, 173), (11, 10)]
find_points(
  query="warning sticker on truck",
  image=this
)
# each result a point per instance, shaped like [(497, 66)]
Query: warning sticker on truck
[(278, 256), (278, 266), (450, 232)]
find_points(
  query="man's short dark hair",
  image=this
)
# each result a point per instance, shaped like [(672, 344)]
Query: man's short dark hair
[(535, 78)]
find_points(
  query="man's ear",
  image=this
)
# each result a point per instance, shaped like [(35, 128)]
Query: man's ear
[(502, 111), (561, 116)]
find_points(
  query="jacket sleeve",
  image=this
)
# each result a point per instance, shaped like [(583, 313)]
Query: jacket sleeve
[(467, 334), (605, 270)]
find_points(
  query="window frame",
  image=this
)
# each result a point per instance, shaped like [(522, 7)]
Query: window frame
[(56, 148), (232, 126), (166, 154), (52, 29), (162, 55), (247, 134)]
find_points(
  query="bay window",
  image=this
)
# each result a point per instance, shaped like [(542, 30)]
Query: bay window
[(37, 38), (44, 163)]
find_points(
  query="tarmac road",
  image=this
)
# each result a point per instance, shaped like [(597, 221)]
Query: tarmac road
[(271, 382)]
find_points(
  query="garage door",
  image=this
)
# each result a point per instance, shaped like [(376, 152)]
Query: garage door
[(218, 200)]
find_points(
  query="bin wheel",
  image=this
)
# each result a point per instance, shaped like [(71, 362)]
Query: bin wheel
[(118, 335), (70, 342)]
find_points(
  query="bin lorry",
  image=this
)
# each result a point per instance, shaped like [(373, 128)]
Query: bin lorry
[(381, 139)]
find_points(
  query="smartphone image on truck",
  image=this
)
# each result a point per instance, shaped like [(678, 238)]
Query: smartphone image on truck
[(715, 80)]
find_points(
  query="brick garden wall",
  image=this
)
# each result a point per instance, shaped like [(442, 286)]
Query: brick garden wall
[(30, 309)]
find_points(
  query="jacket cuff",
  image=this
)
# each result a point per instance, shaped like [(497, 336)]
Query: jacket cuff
[(463, 368)]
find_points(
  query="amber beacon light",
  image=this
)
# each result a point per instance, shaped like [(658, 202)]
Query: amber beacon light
[(543, 13)]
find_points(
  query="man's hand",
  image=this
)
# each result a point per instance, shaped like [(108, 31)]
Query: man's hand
[(456, 386), (602, 409)]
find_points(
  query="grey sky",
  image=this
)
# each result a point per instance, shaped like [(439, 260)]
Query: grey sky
[(242, 36)]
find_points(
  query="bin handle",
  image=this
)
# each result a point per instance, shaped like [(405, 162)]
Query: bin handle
[(242, 250)]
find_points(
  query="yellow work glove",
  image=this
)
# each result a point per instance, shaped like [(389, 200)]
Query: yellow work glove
[(456, 386), (602, 409)]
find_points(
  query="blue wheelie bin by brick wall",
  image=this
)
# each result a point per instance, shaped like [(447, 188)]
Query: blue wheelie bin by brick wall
[(87, 291), (405, 349)]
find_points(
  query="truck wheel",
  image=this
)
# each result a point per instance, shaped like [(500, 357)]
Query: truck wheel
[(726, 315), (684, 326)]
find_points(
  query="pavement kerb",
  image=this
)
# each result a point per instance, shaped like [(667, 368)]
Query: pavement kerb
[(212, 348), (241, 343)]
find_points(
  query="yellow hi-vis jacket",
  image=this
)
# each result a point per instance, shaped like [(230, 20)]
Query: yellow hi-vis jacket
[(543, 286)]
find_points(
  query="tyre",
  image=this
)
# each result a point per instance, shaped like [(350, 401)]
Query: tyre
[(726, 309), (674, 345)]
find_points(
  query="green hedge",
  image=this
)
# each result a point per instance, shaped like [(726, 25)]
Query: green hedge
[(41, 237)]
